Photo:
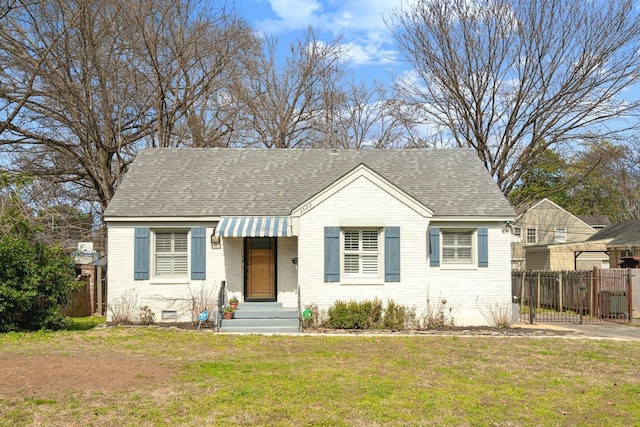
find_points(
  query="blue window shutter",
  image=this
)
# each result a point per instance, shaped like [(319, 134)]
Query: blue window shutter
[(198, 253), (392, 254), (434, 246), (141, 253), (332, 254), (483, 247)]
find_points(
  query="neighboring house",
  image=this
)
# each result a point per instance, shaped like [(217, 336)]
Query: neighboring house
[(310, 226), (550, 238), (622, 240), (598, 222)]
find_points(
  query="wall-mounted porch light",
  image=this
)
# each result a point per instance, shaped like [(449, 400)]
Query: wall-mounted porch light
[(215, 240)]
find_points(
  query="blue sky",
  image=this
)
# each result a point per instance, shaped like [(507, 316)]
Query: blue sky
[(360, 23)]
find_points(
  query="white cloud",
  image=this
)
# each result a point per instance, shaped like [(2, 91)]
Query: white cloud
[(360, 24), (292, 15), (368, 54)]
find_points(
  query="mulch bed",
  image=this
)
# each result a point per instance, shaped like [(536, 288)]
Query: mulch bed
[(514, 331)]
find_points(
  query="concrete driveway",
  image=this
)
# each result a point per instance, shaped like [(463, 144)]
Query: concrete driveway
[(601, 330)]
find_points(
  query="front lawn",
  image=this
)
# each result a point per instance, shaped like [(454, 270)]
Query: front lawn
[(158, 376)]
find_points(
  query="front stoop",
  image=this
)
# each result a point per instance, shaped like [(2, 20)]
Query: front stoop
[(262, 318)]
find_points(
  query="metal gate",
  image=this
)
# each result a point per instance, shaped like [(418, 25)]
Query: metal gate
[(574, 296)]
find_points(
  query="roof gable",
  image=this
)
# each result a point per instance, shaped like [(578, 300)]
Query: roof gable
[(546, 204), (212, 182), (361, 171)]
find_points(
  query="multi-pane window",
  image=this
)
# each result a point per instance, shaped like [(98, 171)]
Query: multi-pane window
[(531, 235), (517, 231), (361, 253), (561, 235), (457, 247), (171, 256)]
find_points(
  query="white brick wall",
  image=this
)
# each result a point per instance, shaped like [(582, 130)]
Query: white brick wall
[(471, 292), (468, 292), (224, 263), (157, 295)]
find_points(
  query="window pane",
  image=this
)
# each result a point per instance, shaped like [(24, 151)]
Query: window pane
[(531, 235), (163, 242), (351, 264), (370, 241), (361, 252), (464, 239), (457, 246), (370, 264), (464, 254), (260, 242), (180, 242), (448, 253), (171, 256), (181, 265), (164, 265), (351, 240), (448, 239)]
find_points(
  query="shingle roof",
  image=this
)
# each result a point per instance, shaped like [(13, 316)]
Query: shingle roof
[(622, 233), (240, 182), (595, 220)]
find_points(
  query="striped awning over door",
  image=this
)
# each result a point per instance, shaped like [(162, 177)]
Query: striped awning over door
[(253, 226)]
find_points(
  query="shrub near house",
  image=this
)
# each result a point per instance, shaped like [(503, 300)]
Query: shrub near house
[(36, 280)]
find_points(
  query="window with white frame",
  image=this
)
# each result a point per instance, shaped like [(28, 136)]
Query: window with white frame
[(517, 231), (532, 235), (561, 235), (361, 252), (457, 246), (171, 253)]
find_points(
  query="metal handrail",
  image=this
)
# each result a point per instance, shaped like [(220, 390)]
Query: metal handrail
[(299, 309), (222, 297)]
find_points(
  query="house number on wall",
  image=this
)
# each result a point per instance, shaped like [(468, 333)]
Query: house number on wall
[(306, 207)]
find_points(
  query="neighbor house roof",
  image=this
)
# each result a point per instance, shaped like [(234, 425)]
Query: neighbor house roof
[(596, 221), (235, 182), (622, 233)]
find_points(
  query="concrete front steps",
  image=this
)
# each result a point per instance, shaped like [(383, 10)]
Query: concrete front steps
[(262, 318)]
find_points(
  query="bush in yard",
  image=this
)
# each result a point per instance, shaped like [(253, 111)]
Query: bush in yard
[(36, 280), (500, 315), (395, 316), (354, 315)]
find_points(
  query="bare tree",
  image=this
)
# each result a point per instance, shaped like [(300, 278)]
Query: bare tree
[(99, 79), (512, 78), (283, 102), (188, 53), (366, 118)]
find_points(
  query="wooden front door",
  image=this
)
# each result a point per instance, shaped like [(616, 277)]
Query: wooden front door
[(260, 268)]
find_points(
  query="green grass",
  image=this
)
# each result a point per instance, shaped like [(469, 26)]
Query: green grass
[(84, 323), (215, 379)]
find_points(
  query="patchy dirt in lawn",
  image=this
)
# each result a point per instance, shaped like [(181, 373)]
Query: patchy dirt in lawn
[(55, 375), (58, 373)]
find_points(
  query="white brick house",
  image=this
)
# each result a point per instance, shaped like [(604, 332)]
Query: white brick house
[(313, 226)]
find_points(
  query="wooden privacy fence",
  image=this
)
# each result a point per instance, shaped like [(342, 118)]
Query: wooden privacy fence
[(591, 296)]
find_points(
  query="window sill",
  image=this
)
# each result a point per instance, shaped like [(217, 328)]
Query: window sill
[(170, 281)]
